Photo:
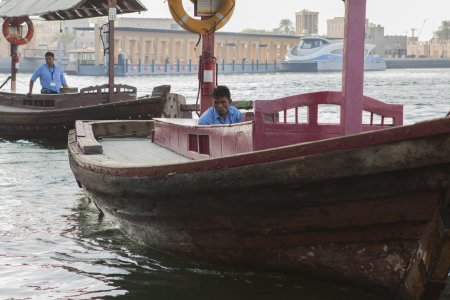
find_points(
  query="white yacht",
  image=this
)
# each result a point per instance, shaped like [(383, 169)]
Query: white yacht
[(318, 54)]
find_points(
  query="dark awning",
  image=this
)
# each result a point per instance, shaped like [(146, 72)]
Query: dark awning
[(65, 9)]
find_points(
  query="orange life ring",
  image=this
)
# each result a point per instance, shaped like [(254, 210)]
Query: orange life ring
[(16, 22), (211, 24)]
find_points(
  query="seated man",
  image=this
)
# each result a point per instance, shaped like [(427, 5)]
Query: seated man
[(221, 112), (50, 76)]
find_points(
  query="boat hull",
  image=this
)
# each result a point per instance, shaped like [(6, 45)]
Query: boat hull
[(52, 116), (325, 66), (56, 123), (376, 216)]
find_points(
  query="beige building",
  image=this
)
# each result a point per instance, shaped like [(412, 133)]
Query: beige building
[(335, 28), (434, 48), (306, 22), (387, 46), (143, 45), (155, 23), (153, 40)]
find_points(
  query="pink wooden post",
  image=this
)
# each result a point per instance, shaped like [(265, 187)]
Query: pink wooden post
[(353, 69)]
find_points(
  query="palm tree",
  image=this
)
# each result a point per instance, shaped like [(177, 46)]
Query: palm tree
[(443, 33), (286, 27)]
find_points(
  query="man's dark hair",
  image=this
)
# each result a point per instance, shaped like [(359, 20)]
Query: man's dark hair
[(221, 91), (50, 54)]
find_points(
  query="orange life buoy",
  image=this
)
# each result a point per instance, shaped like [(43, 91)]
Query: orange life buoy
[(208, 25), (16, 22)]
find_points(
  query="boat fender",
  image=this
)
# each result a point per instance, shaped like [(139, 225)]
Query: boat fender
[(16, 22), (208, 25)]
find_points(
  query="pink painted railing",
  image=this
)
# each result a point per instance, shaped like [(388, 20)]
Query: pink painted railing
[(294, 119)]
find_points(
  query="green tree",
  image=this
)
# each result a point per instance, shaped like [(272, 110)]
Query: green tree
[(286, 27), (443, 33)]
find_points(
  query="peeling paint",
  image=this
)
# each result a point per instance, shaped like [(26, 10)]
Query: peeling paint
[(396, 263)]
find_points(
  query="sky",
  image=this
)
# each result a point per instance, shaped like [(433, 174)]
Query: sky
[(396, 16)]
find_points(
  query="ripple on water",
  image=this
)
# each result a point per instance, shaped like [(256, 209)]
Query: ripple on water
[(53, 244)]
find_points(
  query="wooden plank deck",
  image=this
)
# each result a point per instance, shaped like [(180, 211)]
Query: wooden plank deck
[(139, 151)]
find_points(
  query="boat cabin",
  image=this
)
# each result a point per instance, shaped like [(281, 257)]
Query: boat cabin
[(310, 43)]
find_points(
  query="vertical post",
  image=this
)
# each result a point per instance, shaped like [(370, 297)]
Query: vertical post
[(112, 16), (58, 47), (14, 60), (353, 68), (207, 71)]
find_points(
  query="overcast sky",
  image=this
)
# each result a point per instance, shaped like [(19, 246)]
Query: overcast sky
[(397, 16)]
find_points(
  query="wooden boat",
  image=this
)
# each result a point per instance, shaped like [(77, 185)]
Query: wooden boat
[(365, 203), (52, 116), (370, 209)]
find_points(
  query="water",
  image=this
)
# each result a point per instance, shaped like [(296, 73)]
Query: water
[(54, 245)]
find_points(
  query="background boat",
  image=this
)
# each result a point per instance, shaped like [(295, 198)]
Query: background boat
[(51, 116), (318, 54)]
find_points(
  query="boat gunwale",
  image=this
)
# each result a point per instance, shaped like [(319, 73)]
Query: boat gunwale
[(33, 112), (419, 130)]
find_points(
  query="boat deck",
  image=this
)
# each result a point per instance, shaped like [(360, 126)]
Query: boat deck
[(139, 151)]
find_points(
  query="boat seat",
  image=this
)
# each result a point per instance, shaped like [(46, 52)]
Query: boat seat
[(86, 140)]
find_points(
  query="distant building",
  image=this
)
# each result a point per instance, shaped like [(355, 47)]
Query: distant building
[(395, 46), (434, 48), (306, 22), (154, 23), (142, 45), (387, 46), (77, 34), (440, 48), (335, 27)]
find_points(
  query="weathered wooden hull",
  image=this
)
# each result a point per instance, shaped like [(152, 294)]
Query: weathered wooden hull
[(56, 123), (375, 216), (52, 116)]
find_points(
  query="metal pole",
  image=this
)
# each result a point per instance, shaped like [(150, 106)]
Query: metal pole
[(14, 59), (58, 46), (112, 16)]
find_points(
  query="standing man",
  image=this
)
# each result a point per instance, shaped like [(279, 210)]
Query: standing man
[(221, 112), (50, 76)]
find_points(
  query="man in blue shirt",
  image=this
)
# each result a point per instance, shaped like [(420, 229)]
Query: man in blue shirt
[(50, 76), (221, 112)]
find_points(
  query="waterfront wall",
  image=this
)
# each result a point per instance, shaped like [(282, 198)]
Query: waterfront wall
[(127, 69), (417, 63)]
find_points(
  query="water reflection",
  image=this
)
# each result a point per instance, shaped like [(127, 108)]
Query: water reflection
[(135, 272)]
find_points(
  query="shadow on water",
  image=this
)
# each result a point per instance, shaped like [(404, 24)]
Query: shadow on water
[(141, 272)]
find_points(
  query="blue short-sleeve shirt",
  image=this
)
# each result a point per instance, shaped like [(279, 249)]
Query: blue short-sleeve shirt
[(51, 78), (210, 116)]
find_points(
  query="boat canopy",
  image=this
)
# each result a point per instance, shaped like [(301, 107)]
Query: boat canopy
[(54, 10)]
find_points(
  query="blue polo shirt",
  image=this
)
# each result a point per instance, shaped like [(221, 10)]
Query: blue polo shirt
[(210, 116), (47, 75)]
